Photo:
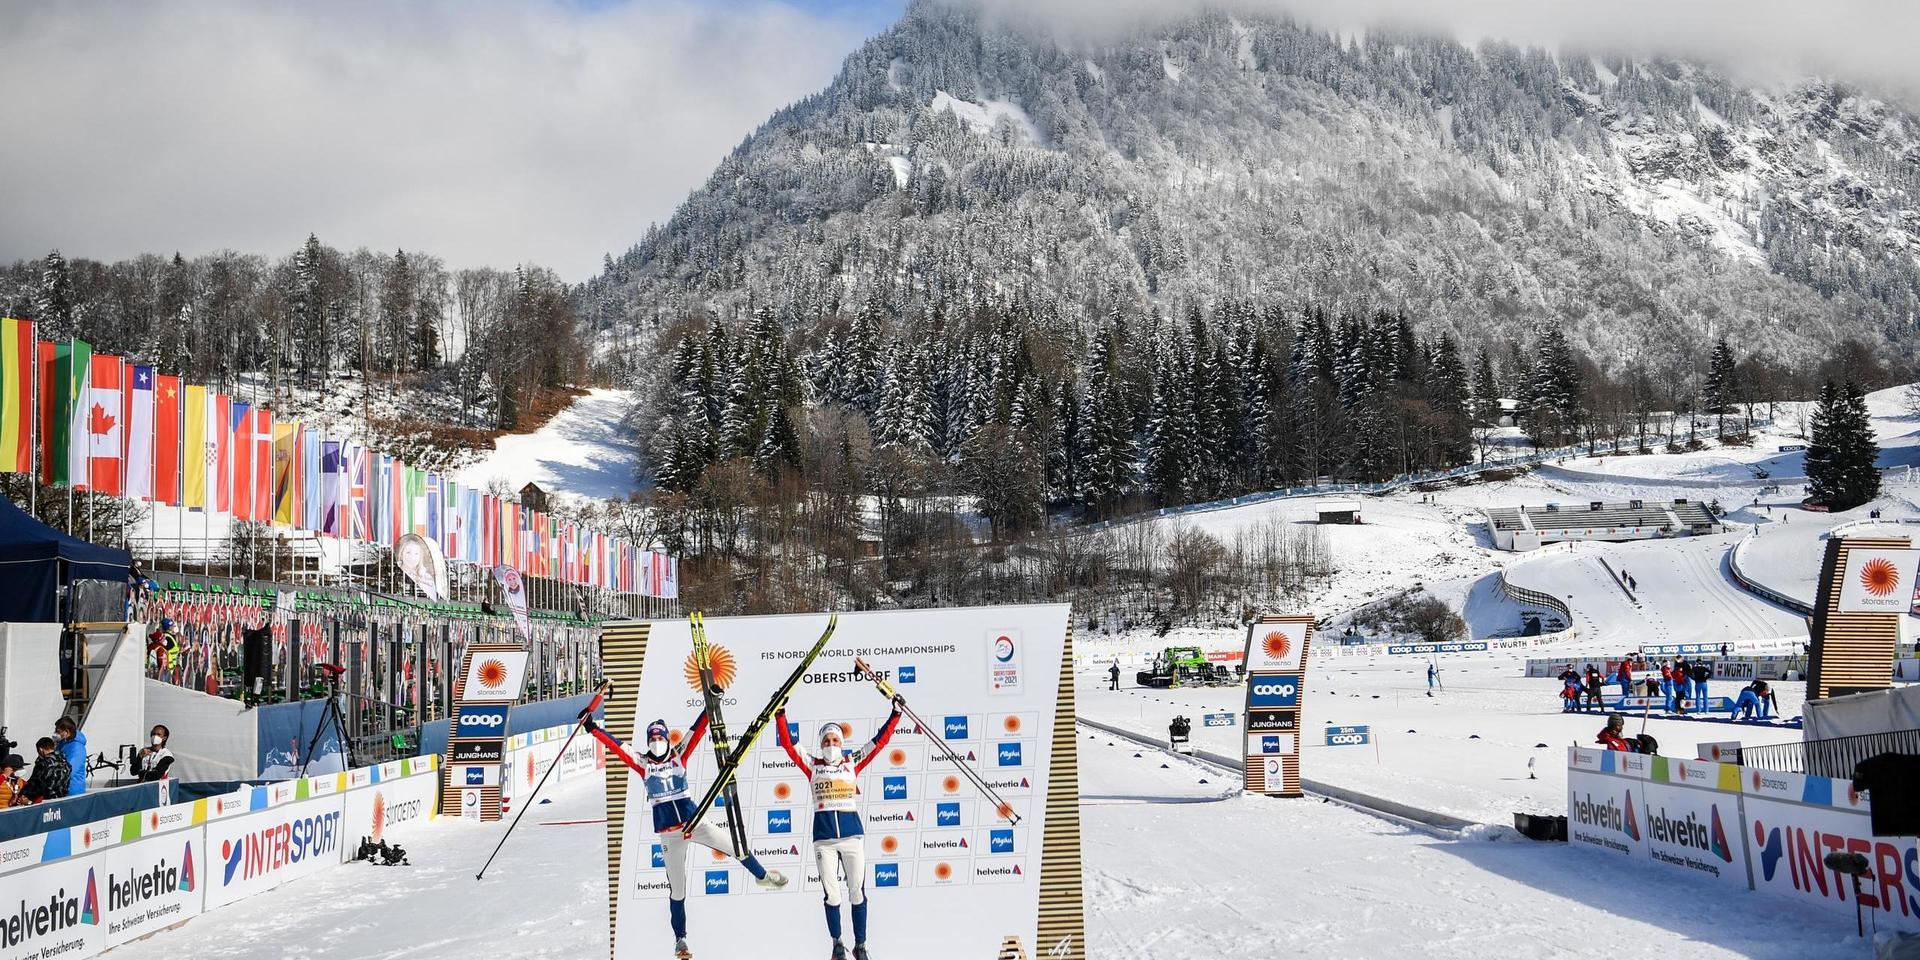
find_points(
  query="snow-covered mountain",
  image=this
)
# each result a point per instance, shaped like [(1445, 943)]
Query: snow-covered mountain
[(1642, 205)]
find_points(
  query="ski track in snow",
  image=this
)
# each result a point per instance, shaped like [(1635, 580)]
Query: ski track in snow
[(585, 450), (1248, 877)]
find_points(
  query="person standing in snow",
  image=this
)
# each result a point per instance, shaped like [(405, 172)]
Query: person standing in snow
[(664, 769), (1569, 690), (839, 835), (1431, 671), (1666, 682), (1113, 675)]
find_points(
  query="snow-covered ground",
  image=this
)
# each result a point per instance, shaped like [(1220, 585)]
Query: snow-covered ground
[(586, 450), (1464, 751), (1171, 873)]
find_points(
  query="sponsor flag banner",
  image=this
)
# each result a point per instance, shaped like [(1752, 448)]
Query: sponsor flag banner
[(104, 421), (16, 395), (140, 434), (420, 559), (937, 844), (219, 453)]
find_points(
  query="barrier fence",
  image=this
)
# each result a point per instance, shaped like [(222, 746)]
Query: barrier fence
[(1835, 757), (1742, 827), (87, 888)]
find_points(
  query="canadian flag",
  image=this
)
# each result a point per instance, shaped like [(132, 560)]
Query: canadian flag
[(102, 419)]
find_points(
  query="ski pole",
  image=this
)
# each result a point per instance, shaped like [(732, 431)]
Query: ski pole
[(1001, 806), (600, 693)]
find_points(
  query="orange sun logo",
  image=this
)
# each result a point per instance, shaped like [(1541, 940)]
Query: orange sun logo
[(897, 757), (492, 674), (951, 784), (890, 845), (781, 791), (943, 872), (1011, 724), (1879, 576), (379, 813), (723, 668), (1276, 644)]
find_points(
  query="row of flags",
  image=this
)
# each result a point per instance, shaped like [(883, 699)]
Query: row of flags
[(116, 427)]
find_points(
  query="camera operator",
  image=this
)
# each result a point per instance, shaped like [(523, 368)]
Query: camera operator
[(154, 759)]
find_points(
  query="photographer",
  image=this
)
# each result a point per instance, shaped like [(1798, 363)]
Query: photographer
[(154, 759)]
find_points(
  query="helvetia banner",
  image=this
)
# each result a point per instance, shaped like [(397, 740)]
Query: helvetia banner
[(948, 872), (85, 904)]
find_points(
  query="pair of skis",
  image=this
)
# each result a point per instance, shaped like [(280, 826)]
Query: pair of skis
[(729, 753), (946, 752)]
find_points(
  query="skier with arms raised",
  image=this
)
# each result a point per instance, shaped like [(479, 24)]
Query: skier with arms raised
[(839, 841), (665, 771)]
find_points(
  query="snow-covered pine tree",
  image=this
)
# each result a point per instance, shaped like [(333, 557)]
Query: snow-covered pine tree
[(1826, 472), (54, 300), (1486, 391), (1719, 389)]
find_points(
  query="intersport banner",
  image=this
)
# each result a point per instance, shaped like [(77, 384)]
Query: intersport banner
[(947, 875), (254, 852)]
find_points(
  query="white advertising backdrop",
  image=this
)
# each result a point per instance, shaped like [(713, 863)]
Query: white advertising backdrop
[(935, 847), (1742, 827)]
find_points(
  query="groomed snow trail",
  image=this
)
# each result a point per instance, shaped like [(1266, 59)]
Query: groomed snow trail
[(586, 450), (1244, 878)]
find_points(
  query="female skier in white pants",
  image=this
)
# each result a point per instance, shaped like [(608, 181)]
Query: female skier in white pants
[(665, 771), (839, 836)]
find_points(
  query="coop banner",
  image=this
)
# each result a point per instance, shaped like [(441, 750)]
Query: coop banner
[(986, 681), (80, 906), (260, 851)]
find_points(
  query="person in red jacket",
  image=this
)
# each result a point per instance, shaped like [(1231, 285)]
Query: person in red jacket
[(839, 841), (1611, 736)]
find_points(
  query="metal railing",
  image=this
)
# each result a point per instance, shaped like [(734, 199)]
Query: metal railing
[(1834, 758)]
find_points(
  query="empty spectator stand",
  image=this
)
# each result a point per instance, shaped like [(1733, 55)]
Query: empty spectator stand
[(1527, 528)]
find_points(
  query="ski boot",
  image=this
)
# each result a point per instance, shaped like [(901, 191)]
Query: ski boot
[(860, 952), (680, 951), (774, 880), (839, 950)]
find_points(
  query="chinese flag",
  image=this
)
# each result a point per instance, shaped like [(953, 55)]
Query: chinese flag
[(166, 439)]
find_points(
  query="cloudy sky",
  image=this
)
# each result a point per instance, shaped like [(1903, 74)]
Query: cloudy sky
[(553, 131)]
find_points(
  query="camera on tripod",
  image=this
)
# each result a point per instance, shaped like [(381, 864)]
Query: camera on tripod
[(6, 745)]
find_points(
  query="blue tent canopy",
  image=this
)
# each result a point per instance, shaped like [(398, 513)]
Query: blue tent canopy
[(36, 559)]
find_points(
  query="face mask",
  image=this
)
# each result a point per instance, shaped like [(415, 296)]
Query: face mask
[(656, 748), (159, 740)]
